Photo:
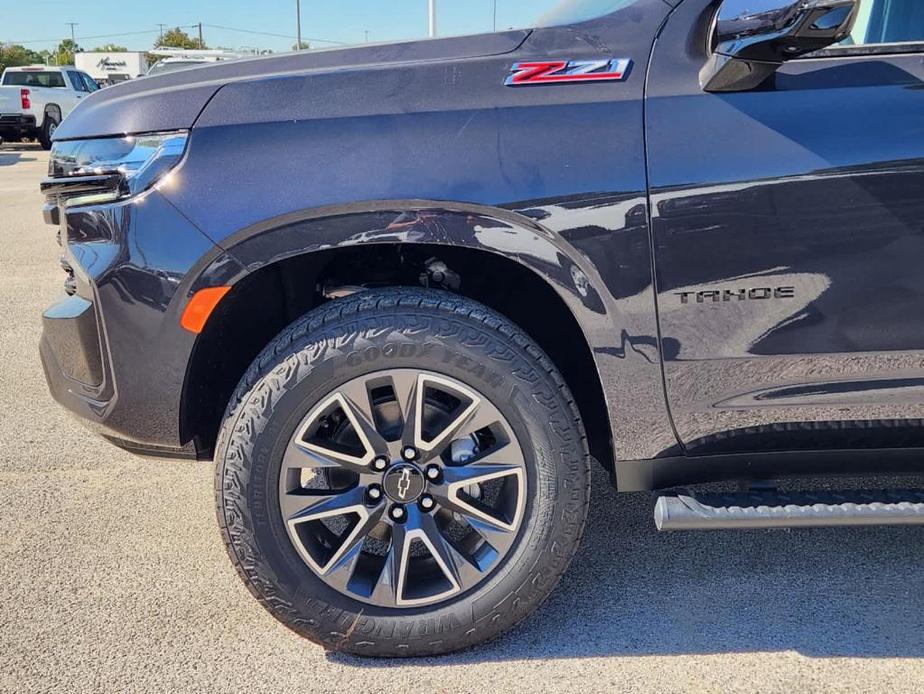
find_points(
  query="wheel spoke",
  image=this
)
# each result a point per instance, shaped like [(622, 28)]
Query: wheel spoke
[(421, 526), (322, 505), (304, 455), (499, 535), (388, 588), (340, 567), (365, 432), (359, 410), (307, 505), (435, 445), (424, 525), (339, 570), (486, 415), (457, 476), (404, 383), (483, 469)]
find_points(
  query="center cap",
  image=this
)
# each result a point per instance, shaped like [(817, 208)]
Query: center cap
[(403, 483)]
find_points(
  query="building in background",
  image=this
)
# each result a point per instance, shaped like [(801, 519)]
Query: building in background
[(109, 68)]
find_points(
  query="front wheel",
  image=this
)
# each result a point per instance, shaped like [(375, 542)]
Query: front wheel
[(402, 472)]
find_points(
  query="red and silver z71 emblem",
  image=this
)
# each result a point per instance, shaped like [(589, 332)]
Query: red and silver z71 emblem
[(568, 71)]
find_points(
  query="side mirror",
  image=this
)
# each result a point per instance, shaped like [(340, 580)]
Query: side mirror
[(752, 38)]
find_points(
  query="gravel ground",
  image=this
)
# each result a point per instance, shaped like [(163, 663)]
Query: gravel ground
[(113, 577)]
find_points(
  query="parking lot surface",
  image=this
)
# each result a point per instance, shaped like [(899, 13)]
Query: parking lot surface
[(113, 576)]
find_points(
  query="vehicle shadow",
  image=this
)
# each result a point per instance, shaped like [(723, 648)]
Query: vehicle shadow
[(20, 147), (632, 591), (12, 153)]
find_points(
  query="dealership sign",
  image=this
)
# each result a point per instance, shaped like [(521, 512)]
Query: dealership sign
[(109, 63), (110, 66)]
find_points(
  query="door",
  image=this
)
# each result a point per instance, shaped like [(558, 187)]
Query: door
[(788, 234), (79, 93)]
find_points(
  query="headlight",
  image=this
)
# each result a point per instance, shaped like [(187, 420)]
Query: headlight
[(92, 171)]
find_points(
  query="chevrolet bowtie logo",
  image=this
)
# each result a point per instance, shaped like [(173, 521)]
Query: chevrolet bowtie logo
[(404, 483)]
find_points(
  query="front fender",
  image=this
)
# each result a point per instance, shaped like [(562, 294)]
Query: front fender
[(625, 353)]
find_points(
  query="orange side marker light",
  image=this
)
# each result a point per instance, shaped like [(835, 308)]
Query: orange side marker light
[(200, 307)]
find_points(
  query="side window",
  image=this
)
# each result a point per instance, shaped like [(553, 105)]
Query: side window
[(92, 86), (888, 21), (76, 81)]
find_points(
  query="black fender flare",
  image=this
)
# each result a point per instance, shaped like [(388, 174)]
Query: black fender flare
[(408, 222), (51, 109)]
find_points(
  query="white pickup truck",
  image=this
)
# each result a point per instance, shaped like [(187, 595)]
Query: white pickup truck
[(34, 99)]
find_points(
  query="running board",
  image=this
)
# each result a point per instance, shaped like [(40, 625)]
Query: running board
[(772, 509)]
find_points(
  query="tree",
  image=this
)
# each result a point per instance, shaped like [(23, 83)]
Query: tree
[(13, 55), (64, 53), (305, 46), (177, 38), (110, 48)]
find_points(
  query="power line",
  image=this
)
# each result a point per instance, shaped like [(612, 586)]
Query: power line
[(84, 38), (280, 36), (188, 26)]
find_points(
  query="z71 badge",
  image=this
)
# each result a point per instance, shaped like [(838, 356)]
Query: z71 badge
[(568, 71)]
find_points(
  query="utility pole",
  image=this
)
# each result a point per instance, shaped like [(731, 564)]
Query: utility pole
[(201, 43), (298, 25), (432, 19), (72, 25), (367, 36), (495, 15), (161, 27)]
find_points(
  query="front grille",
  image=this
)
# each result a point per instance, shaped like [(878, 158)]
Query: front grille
[(60, 189)]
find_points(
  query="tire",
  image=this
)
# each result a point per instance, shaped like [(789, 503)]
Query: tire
[(452, 343), (48, 130)]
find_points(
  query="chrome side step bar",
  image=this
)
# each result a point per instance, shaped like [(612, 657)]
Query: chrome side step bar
[(797, 510)]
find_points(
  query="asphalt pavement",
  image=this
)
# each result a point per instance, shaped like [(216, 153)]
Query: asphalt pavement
[(113, 577)]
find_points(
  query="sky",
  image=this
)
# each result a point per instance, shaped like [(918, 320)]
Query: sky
[(41, 24)]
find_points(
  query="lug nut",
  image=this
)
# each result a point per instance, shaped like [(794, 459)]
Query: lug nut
[(427, 503), (374, 492), (433, 473), (409, 453), (397, 513), (380, 463)]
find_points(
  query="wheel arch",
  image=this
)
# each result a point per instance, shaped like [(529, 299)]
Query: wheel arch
[(502, 259), (51, 109)]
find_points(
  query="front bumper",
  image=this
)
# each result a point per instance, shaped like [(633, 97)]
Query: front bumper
[(112, 348)]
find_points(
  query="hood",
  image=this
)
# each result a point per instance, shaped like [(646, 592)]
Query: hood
[(173, 100)]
